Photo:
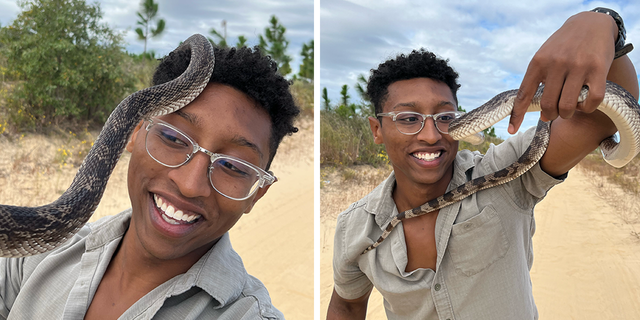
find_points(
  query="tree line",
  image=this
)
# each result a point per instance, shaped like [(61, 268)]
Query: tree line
[(60, 64)]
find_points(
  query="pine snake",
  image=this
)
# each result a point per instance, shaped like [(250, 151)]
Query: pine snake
[(618, 104), (26, 231)]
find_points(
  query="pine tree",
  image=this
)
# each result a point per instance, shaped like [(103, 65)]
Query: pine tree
[(147, 14)]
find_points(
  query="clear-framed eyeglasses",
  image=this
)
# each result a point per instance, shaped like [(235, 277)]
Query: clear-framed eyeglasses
[(410, 123), (233, 178)]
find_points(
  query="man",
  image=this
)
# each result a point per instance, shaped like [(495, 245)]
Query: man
[(169, 256), (470, 260)]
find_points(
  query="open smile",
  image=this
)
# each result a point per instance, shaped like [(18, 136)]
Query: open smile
[(171, 214), (427, 156)]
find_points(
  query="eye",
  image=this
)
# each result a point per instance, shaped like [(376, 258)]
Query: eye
[(447, 117), (409, 118), (172, 138), (232, 167)]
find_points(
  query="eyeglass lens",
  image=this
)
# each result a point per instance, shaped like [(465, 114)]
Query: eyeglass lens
[(411, 123), (228, 176)]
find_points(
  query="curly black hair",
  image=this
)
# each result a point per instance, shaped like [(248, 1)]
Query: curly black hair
[(250, 72), (418, 64)]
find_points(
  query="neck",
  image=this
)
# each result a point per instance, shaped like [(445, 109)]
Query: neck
[(135, 269), (408, 195)]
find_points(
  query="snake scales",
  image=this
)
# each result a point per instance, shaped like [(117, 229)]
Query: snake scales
[(618, 104), (27, 231)]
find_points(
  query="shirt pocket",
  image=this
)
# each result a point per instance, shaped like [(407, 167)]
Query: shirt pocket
[(477, 243)]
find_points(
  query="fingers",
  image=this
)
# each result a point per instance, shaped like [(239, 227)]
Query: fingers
[(526, 91), (560, 96)]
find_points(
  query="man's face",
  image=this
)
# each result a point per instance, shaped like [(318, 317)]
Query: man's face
[(222, 120), (411, 155)]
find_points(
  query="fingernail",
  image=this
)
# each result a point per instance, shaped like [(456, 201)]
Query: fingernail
[(511, 129)]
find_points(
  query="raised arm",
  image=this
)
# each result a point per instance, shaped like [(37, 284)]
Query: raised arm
[(580, 53)]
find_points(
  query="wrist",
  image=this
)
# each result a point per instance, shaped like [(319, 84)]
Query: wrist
[(620, 35)]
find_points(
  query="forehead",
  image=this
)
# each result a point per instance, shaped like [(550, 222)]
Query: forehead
[(420, 93), (222, 113)]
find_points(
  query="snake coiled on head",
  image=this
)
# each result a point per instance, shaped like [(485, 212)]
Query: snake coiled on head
[(618, 104), (26, 231)]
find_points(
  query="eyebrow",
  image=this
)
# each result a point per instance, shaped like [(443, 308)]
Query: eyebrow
[(242, 141), (237, 139), (192, 118), (442, 103)]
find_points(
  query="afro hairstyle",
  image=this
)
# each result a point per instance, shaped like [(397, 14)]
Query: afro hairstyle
[(417, 64)]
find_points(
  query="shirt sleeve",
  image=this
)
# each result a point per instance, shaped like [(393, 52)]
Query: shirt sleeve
[(10, 279), (533, 185), (349, 280)]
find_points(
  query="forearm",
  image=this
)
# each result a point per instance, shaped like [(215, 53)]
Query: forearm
[(340, 308)]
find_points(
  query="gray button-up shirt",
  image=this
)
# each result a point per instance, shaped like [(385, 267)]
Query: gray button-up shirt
[(61, 284), (483, 243)]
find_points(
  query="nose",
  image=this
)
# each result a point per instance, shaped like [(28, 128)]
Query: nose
[(192, 178), (429, 132)]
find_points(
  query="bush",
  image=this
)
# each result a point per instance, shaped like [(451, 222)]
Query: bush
[(347, 141), (68, 64)]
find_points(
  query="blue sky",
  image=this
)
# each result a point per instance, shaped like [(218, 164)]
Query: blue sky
[(489, 43), (184, 18)]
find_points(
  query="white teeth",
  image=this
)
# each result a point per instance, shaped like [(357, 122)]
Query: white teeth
[(170, 212), (427, 156)]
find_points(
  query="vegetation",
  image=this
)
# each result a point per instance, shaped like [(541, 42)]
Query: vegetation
[(69, 75), (147, 14), (222, 37), (274, 43), (627, 177), (68, 69), (306, 68)]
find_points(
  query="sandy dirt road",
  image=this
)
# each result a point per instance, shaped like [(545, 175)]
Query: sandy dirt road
[(587, 259)]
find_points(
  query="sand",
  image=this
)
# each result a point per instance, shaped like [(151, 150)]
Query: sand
[(275, 240), (587, 257)]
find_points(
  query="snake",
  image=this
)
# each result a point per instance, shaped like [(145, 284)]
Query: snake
[(26, 231), (618, 104)]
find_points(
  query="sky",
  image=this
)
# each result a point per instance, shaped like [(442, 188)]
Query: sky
[(184, 18), (489, 43)]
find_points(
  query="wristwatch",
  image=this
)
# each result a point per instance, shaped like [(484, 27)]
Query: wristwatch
[(620, 47)]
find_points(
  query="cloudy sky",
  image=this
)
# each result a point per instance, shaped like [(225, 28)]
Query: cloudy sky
[(184, 18), (489, 43)]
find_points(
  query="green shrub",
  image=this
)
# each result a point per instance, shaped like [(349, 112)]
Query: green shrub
[(69, 65)]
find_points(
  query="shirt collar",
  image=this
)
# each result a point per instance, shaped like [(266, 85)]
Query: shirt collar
[(219, 272), (380, 201)]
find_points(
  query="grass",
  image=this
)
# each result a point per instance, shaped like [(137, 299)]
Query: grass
[(620, 187)]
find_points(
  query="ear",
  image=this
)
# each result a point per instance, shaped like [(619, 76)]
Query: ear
[(376, 130), (257, 197), (132, 139)]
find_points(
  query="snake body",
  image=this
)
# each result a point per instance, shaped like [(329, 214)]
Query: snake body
[(26, 231), (618, 104)]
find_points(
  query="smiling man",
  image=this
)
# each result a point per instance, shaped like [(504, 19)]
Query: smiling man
[(470, 260), (192, 175)]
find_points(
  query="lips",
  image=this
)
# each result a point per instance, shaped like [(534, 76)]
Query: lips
[(171, 214)]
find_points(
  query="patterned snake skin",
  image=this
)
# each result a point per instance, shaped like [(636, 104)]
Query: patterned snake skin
[(618, 104), (26, 231)]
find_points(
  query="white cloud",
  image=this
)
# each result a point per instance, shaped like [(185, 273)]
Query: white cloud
[(489, 43)]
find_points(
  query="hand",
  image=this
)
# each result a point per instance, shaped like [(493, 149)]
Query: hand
[(579, 53)]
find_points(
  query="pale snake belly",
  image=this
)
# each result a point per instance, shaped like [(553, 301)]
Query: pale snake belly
[(26, 231), (618, 104)]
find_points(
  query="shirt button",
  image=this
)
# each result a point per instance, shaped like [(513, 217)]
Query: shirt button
[(437, 287)]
